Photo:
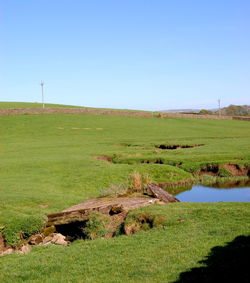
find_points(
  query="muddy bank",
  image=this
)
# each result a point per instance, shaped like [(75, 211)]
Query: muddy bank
[(103, 157), (225, 170), (221, 170)]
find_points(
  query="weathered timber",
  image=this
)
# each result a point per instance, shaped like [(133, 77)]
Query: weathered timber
[(106, 205), (110, 205), (161, 194)]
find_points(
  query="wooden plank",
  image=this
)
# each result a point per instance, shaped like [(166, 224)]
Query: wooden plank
[(160, 194)]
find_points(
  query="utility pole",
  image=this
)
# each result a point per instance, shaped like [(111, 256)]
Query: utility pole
[(42, 84), (219, 107)]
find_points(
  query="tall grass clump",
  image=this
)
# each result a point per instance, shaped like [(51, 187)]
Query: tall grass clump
[(138, 182), (15, 232)]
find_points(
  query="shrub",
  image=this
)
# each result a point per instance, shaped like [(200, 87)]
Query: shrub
[(139, 181), (136, 182), (97, 226), (22, 229), (146, 179)]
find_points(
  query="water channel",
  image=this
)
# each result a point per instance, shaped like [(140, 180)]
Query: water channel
[(216, 193)]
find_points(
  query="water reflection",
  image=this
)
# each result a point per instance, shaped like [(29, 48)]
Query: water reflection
[(233, 191)]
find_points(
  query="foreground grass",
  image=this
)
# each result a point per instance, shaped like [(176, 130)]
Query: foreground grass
[(154, 256), (47, 165)]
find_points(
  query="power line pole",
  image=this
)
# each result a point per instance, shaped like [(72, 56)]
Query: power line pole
[(219, 107), (42, 84)]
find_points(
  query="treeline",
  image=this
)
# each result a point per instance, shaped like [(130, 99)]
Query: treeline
[(231, 110)]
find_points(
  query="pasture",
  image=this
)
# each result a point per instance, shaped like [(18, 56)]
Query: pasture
[(49, 162)]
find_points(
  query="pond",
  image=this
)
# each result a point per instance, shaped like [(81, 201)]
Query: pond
[(216, 193)]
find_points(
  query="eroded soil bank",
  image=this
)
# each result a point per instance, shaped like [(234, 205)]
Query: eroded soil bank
[(226, 170), (177, 146), (221, 170)]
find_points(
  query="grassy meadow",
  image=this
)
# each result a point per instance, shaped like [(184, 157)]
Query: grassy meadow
[(47, 165), (16, 105)]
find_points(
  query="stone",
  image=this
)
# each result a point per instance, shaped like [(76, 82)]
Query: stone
[(8, 251), (25, 249), (47, 240), (36, 239), (2, 243), (59, 239)]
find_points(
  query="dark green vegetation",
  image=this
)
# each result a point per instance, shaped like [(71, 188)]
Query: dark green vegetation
[(47, 165), (236, 110), (231, 110)]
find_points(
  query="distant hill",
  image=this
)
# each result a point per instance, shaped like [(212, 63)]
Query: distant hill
[(231, 110), (181, 111)]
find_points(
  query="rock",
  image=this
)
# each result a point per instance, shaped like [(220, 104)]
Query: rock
[(55, 238), (24, 249), (35, 239), (2, 243), (8, 251), (59, 239), (47, 240)]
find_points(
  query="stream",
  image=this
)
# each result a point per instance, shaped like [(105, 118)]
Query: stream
[(216, 193)]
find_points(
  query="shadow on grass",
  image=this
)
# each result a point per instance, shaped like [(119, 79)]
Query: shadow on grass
[(230, 263)]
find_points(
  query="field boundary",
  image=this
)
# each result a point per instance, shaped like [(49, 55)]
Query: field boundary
[(18, 111)]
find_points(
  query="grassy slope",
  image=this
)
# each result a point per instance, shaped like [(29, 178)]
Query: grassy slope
[(46, 166), (33, 105), (16, 105)]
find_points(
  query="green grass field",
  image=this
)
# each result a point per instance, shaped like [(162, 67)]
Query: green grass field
[(47, 165), (33, 105), (24, 105)]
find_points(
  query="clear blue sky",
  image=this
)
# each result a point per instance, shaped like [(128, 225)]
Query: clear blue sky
[(136, 54)]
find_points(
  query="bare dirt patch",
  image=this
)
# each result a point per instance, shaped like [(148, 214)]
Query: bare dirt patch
[(236, 170), (103, 157)]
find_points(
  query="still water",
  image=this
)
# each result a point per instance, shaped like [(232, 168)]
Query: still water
[(200, 193)]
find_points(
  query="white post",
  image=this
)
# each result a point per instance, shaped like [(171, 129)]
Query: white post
[(219, 107), (42, 83)]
